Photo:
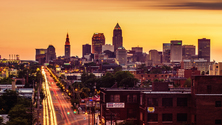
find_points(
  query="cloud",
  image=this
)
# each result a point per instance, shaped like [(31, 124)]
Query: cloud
[(196, 5)]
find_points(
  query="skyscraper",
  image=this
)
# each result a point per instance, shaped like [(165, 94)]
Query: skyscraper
[(98, 40), (51, 54), (40, 55), (67, 47), (154, 57), (188, 51), (117, 37), (121, 55), (204, 49), (166, 52), (176, 51), (86, 49)]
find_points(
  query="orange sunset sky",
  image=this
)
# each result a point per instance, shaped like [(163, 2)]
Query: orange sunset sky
[(29, 24)]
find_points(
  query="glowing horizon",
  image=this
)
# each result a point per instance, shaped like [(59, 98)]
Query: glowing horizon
[(27, 25)]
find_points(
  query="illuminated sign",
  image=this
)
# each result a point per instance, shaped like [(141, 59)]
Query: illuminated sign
[(150, 109), (42, 51), (179, 43), (115, 105), (46, 64), (66, 64)]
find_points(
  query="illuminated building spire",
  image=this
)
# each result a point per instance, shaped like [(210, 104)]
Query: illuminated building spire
[(117, 37), (117, 27), (67, 46), (67, 40)]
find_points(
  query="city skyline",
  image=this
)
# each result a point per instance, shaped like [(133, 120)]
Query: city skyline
[(28, 25)]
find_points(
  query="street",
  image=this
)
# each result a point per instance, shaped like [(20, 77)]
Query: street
[(63, 108)]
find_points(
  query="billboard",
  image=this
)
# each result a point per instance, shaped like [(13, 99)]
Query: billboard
[(115, 105), (150, 109)]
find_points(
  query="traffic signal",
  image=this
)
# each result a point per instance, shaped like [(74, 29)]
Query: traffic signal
[(74, 111), (68, 113)]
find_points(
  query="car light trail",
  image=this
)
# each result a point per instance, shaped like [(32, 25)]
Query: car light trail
[(48, 105)]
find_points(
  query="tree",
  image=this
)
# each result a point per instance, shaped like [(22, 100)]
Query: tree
[(156, 80), (10, 97), (128, 82), (120, 75), (119, 68), (166, 68), (107, 80), (156, 71), (187, 83), (18, 121), (18, 111), (202, 73)]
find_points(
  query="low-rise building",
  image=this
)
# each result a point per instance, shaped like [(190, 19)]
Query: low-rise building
[(198, 105)]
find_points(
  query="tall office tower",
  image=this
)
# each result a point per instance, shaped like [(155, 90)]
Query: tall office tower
[(155, 58), (67, 47), (121, 55), (51, 54), (117, 37), (138, 54), (86, 49), (98, 40), (40, 55), (176, 51), (166, 52), (188, 51), (204, 49)]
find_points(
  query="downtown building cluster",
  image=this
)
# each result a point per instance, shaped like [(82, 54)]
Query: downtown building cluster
[(173, 53), (162, 95)]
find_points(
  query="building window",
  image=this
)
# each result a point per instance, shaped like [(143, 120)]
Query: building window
[(134, 98), (148, 75), (131, 113), (218, 104), (141, 116), (141, 99), (152, 102), (209, 88), (217, 121), (167, 117), (129, 99), (152, 117), (181, 117), (116, 98), (111, 98), (181, 101), (167, 102)]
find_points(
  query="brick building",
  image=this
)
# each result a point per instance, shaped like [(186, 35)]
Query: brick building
[(200, 105), (152, 77)]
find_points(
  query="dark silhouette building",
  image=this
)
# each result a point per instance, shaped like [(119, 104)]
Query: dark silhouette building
[(204, 49), (166, 52), (51, 54), (86, 49), (98, 40), (40, 55), (117, 37), (188, 51), (67, 47), (176, 51)]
